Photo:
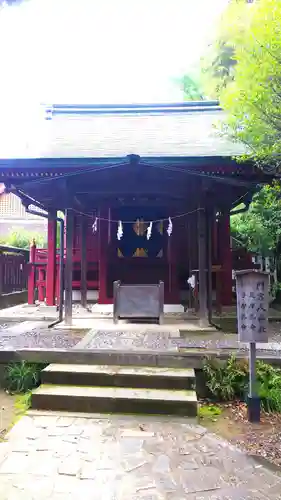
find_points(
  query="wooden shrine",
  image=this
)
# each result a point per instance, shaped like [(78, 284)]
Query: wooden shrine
[(143, 166)]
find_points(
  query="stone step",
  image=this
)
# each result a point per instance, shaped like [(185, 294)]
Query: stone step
[(114, 400), (119, 376)]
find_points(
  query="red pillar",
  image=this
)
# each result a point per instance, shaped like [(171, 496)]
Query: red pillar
[(225, 260), (103, 249), (31, 275), (57, 286), (51, 261)]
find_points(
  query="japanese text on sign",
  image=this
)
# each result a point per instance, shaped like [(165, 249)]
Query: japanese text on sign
[(252, 306)]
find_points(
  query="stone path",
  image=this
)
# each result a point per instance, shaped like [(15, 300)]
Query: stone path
[(62, 457), (221, 340)]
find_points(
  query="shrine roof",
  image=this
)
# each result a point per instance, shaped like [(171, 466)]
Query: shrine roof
[(99, 131)]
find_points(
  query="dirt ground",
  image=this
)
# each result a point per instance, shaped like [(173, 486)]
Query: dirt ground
[(8, 412), (262, 440)]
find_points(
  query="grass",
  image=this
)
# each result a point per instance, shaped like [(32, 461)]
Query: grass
[(209, 412), (13, 411), (21, 377), (22, 403)]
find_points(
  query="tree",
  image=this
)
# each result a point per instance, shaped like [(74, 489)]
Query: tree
[(217, 68), (218, 64), (260, 227), (23, 239), (253, 98), (191, 88)]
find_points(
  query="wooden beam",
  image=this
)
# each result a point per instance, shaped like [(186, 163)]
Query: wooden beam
[(84, 262), (69, 267), (202, 260), (136, 193)]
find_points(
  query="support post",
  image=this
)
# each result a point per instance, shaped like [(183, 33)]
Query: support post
[(226, 260), (252, 370), (103, 249), (209, 219), (69, 267), (31, 275), (41, 294), (253, 399), (173, 285), (202, 261), (51, 260), (84, 262), (1, 274)]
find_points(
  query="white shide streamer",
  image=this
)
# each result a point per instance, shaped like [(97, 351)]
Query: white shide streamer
[(119, 231), (95, 226), (149, 231), (170, 227)]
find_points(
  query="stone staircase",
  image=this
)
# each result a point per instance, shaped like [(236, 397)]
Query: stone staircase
[(117, 389)]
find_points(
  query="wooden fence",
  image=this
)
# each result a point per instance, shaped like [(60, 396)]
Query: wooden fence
[(13, 269)]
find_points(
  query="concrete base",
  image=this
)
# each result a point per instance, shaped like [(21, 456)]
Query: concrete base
[(12, 299), (108, 308), (92, 295)]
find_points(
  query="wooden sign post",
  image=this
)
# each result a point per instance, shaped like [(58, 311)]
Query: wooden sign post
[(252, 289)]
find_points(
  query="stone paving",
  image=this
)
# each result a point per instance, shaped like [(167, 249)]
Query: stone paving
[(144, 339), (127, 337), (59, 457), (155, 340), (36, 334)]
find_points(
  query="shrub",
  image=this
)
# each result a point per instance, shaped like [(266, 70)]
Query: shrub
[(228, 380), (269, 387), (23, 376)]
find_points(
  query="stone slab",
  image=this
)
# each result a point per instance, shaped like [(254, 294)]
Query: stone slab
[(148, 371), (115, 400), (119, 376), (116, 393), (118, 457)]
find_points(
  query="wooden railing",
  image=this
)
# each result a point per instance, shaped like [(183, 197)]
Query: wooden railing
[(37, 273), (13, 269)]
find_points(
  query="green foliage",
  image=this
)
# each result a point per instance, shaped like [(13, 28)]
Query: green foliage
[(23, 376), (253, 98), (218, 64), (228, 380), (269, 387), (259, 228), (22, 403), (191, 88), (209, 412), (23, 239)]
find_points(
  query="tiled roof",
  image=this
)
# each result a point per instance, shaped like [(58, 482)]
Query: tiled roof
[(93, 131)]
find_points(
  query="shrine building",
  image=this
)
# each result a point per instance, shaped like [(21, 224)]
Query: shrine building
[(147, 192)]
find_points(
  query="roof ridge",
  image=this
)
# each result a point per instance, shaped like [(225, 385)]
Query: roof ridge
[(182, 107)]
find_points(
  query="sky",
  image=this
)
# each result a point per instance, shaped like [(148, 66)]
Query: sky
[(100, 51)]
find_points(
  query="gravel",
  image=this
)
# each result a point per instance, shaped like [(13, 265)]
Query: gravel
[(42, 339)]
